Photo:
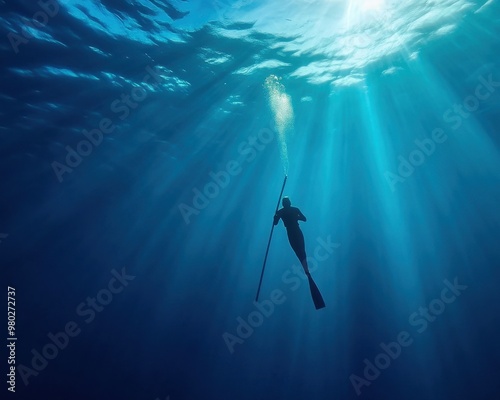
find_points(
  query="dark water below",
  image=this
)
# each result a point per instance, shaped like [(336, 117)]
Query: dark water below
[(140, 164)]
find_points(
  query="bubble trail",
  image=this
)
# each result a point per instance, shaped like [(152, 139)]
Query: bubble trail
[(281, 106)]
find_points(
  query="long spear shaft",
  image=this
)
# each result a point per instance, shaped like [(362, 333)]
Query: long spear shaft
[(269, 242)]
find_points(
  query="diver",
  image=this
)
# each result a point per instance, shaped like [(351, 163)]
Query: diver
[(290, 216)]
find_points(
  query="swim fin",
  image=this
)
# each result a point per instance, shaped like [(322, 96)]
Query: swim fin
[(316, 294)]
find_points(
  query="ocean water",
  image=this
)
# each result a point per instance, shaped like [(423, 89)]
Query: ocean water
[(144, 145)]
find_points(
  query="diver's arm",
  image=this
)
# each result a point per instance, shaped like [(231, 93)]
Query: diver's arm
[(301, 216), (276, 219)]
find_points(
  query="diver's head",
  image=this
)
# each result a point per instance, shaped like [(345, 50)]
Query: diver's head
[(286, 202)]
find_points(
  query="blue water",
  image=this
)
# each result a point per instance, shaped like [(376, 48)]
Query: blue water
[(141, 163)]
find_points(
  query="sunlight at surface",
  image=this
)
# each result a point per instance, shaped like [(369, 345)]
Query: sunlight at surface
[(336, 40), (367, 12), (345, 37), (372, 5)]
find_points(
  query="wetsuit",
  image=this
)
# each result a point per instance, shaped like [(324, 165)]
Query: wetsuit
[(291, 216)]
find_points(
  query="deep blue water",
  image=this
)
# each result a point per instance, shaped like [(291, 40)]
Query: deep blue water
[(141, 166)]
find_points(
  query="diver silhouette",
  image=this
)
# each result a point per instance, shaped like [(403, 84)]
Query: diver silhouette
[(290, 216)]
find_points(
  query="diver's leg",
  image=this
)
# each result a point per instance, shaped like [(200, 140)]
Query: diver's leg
[(296, 239), (302, 251)]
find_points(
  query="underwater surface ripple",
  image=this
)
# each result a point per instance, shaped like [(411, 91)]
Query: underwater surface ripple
[(143, 148)]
